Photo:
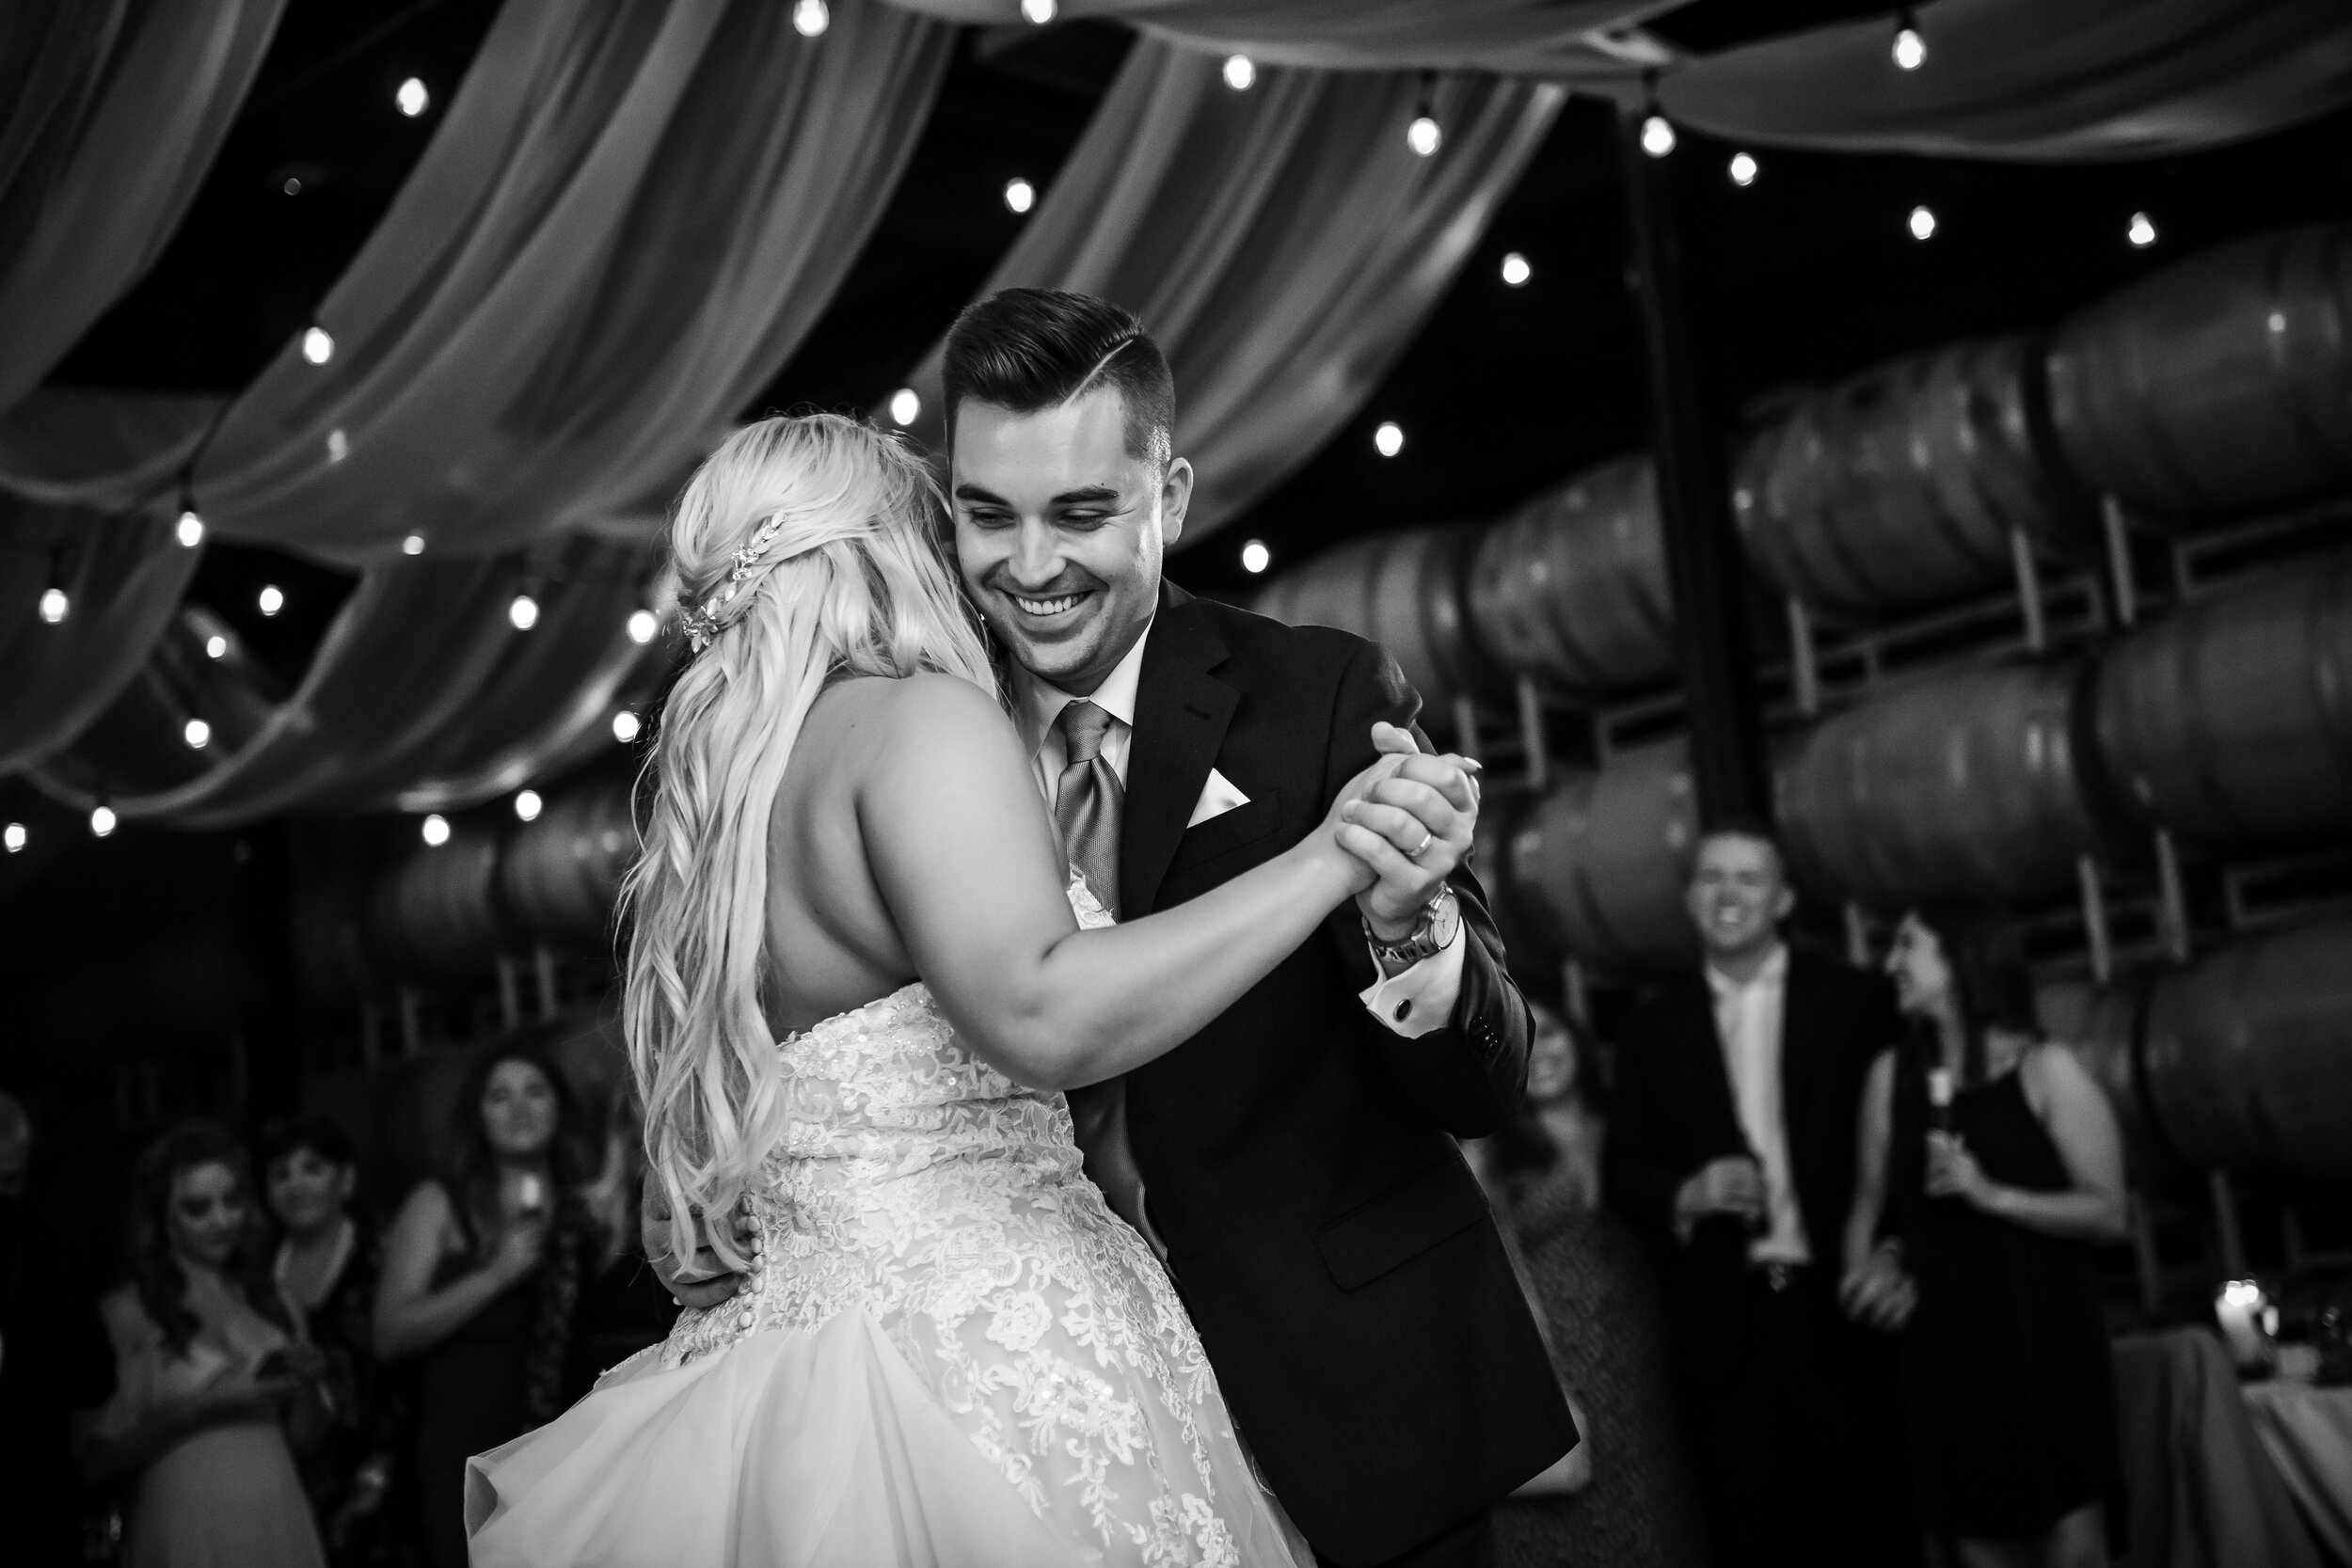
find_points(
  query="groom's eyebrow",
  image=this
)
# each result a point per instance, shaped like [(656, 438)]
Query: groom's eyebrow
[(1092, 495)]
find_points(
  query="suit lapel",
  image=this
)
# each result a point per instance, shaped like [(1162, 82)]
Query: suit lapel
[(1798, 1043), (1181, 712), (1707, 1071)]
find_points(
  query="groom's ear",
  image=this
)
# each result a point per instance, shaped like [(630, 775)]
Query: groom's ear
[(1175, 498)]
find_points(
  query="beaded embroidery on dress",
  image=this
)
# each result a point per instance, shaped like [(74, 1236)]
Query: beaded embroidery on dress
[(954, 1353)]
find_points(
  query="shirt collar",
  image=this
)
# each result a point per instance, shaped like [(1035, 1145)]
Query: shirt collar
[(1041, 702), (1772, 972)]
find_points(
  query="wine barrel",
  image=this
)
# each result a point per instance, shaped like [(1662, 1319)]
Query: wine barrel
[(2221, 385), (1502, 809), (1405, 591), (2232, 719), (1900, 486), (1570, 589), (1600, 863), (561, 875), (2101, 1025), (434, 915), (2243, 1060), (1968, 783)]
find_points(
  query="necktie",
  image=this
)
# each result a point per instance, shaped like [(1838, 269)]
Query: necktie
[(1087, 805)]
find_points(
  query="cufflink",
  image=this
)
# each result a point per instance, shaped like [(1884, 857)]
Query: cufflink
[(1404, 1008)]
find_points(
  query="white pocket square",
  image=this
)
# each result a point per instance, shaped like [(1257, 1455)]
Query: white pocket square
[(1217, 797)]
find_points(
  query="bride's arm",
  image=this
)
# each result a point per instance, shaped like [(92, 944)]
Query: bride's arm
[(964, 855)]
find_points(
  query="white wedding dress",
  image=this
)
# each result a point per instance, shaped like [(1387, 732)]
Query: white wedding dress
[(955, 1355)]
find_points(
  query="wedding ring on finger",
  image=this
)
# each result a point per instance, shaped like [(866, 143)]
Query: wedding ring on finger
[(1427, 838)]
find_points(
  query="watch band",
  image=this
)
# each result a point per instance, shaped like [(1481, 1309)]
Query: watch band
[(1431, 931)]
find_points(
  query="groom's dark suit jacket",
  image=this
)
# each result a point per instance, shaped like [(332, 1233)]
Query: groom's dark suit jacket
[(1331, 1244)]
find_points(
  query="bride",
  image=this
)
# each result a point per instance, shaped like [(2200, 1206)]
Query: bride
[(859, 976)]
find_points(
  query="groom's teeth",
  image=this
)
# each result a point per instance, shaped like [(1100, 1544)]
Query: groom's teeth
[(1046, 606)]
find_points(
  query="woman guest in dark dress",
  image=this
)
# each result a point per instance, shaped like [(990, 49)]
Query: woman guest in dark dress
[(482, 1277), (1974, 1242), (327, 1263)]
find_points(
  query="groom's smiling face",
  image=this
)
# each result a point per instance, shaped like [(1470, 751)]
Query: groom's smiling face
[(1059, 530)]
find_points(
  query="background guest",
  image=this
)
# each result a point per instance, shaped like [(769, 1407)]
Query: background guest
[(482, 1277), (1731, 1148), (328, 1261), (207, 1372), (1986, 1267)]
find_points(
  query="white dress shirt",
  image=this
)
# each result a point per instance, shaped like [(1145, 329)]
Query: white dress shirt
[(1748, 1025), (1413, 1003)]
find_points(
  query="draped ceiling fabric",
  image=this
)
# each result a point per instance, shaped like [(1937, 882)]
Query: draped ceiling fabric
[(1283, 245), (110, 114), (2033, 80)]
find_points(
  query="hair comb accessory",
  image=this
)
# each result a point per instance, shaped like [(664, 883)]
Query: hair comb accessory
[(700, 622)]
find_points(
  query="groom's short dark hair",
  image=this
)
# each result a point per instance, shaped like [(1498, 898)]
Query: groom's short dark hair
[(1028, 349)]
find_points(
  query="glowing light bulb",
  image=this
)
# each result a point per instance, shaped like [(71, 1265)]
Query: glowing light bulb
[(1020, 195), (318, 345), (905, 406), (338, 446), (1039, 12), (271, 599), (1255, 557), (527, 805), (413, 545), (1657, 135), (1390, 439), (217, 646), (643, 623), (1423, 136), (52, 605), (1922, 224), (292, 185), (1240, 71), (625, 727), (191, 529), (1743, 169), (810, 18), (436, 830), (102, 821), (412, 98), (1910, 50), (1515, 269), (198, 734), (524, 613), (13, 836), (2142, 232)]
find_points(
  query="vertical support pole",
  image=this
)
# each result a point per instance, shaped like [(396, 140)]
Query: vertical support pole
[(1703, 567), (1465, 727), (2173, 901), (1532, 734), (2095, 919), (1857, 935), (2029, 590), (1576, 990), (1602, 750), (370, 1034), (2225, 1230), (1805, 676), (2144, 1260), (2292, 1242), (2119, 576), (509, 994), (411, 1025), (542, 970)]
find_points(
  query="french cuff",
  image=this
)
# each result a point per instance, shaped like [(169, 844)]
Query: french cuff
[(1420, 1000)]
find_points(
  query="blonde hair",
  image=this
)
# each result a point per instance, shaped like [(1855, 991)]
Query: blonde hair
[(846, 578)]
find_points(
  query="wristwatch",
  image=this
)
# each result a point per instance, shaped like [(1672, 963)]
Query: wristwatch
[(1441, 918)]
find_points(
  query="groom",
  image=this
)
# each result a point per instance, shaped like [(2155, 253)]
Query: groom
[(1292, 1162)]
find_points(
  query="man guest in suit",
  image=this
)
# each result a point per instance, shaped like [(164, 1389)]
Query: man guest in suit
[(1294, 1164), (1731, 1146)]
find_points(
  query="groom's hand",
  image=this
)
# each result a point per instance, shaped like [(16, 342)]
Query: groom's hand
[(1412, 828), (708, 1282)]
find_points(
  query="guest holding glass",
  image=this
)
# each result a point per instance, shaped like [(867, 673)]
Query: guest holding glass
[(1987, 1163), (328, 1261), (209, 1370), (482, 1277)]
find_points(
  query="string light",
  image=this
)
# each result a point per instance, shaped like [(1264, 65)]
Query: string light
[(338, 446), (1424, 135), (1515, 269), (217, 646), (434, 830), (905, 406), (53, 605), (1240, 71), (190, 531), (413, 545), (524, 613), (1255, 557), (810, 18), (102, 821), (13, 836), (527, 805), (1038, 11), (1922, 224), (318, 345), (1390, 439), (1743, 169), (1910, 50), (625, 727), (1020, 196), (198, 734), (643, 623), (412, 98), (1657, 135), (271, 599), (292, 185), (2142, 232)]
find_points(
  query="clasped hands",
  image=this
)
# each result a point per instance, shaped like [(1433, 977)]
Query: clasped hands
[(1877, 1293)]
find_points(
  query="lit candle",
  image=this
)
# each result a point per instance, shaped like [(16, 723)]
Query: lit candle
[(2247, 1320)]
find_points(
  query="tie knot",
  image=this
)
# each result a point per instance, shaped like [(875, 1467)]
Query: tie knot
[(1082, 726)]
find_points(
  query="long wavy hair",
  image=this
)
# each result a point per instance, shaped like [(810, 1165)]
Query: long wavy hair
[(468, 1167), (155, 1269), (851, 580)]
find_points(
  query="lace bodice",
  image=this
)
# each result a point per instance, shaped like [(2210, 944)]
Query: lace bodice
[(925, 1188)]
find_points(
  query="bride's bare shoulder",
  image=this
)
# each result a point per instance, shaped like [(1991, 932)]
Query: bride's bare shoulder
[(921, 717)]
